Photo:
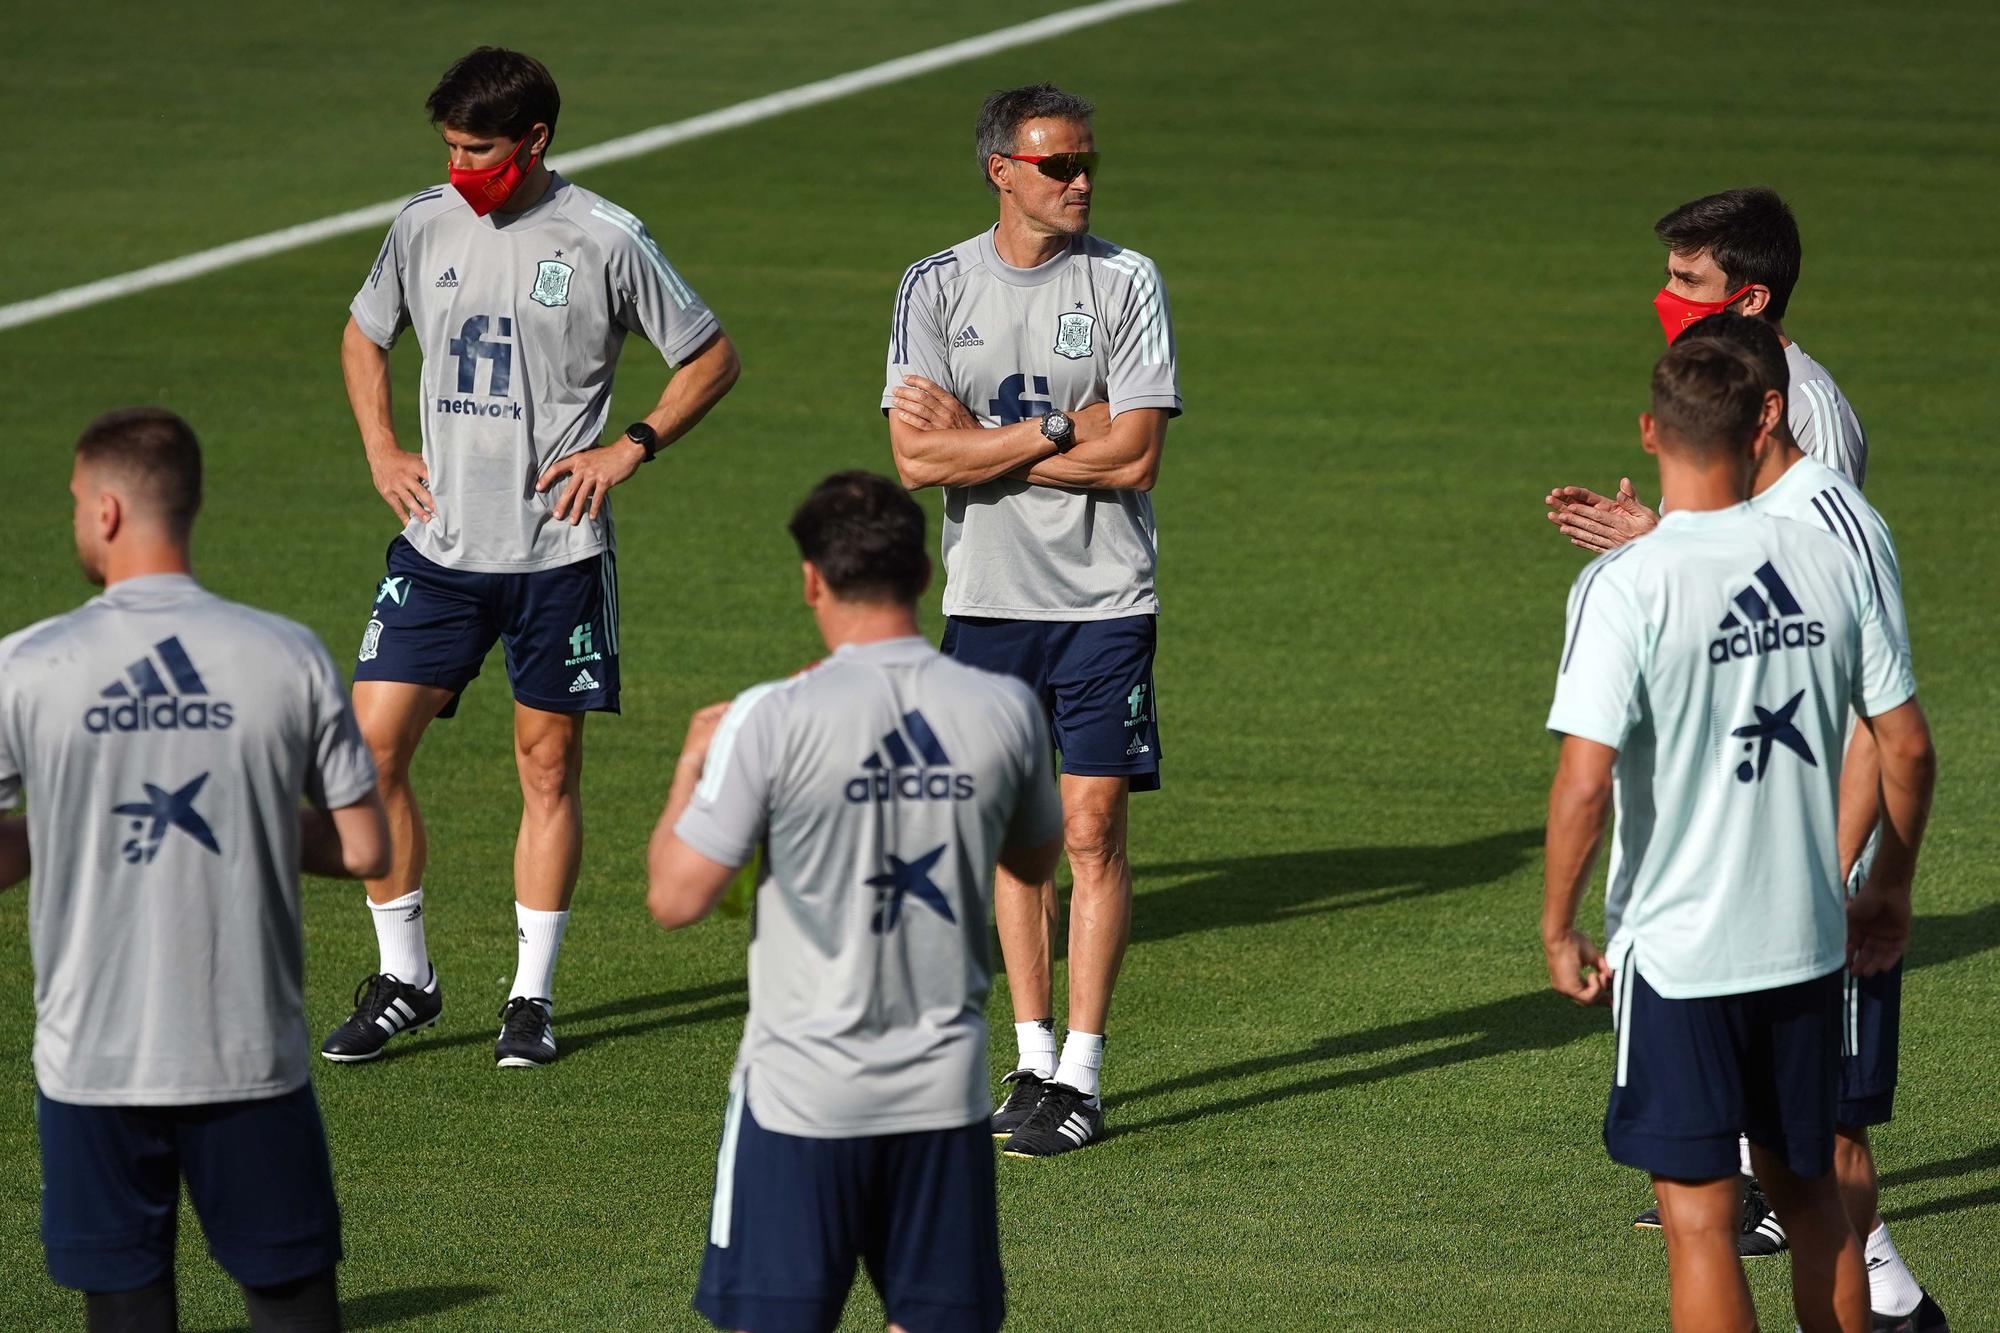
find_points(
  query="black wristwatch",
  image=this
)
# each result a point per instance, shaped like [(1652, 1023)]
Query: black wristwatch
[(1059, 430), (645, 437)]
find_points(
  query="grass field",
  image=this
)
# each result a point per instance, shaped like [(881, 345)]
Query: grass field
[(1410, 258)]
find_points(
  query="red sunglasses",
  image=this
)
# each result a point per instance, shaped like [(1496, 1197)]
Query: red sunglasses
[(1064, 167)]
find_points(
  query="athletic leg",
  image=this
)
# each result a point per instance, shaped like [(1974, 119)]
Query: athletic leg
[(1100, 906), (1829, 1276), (548, 754), (393, 716), (1707, 1291)]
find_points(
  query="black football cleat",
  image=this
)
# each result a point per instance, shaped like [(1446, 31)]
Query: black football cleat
[(1020, 1103), (1648, 1219), (384, 1006), (1926, 1318), (1763, 1234), (527, 1035), (1062, 1121)]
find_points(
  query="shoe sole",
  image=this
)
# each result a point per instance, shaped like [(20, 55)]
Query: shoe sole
[(376, 1054), (1646, 1226), (521, 1062)]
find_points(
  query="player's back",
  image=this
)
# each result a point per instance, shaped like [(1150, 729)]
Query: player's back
[(1822, 420), (897, 775), (166, 738), (1746, 636), (1812, 493)]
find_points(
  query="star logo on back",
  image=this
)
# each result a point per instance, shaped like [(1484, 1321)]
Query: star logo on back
[(908, 879)]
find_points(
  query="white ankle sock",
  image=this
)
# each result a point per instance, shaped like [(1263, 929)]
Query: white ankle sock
[(1743, 1155), (1082, 1057), (1037, 1044), (399, 937), (1891, 1288), (540, 938)]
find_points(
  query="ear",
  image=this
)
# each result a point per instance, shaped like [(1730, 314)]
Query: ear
[(814, 589), (1755, 301), (110, 516), (1649, 433), (996, 171)]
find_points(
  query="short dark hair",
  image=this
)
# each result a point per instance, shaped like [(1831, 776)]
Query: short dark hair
[(1750, 234), (155, 456), (495, 91), (1753, 336), (1003, 113), (866, 536), (1708, 396)]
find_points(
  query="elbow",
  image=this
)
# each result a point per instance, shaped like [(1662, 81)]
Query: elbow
[(914, 473), (670, 910), (375, 865), (729, 370), (1141, 475)]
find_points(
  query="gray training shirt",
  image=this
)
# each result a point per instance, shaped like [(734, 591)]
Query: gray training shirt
[(166, 738), (521, 319), (883, 783), (1089, 326)]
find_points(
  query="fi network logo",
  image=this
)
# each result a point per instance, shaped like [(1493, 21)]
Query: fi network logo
[(144, 701), (1769, 621), (910, 765), (161, 812), (908, 879), (1771, 729), (581, 646)]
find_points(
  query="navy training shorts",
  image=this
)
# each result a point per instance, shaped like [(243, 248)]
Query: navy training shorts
[(1693, 1074), (1095, 678), (792, 1216), (1871, 1019), (431, 625), (257, 1173)]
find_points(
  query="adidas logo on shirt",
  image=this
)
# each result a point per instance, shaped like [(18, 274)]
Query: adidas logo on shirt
[(910, 765), (968, 337), (1764, 622), (145, 702), (449, 278), (584, 681)]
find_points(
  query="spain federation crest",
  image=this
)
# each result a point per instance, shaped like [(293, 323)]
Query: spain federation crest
[(551, 283), (1073, 329)]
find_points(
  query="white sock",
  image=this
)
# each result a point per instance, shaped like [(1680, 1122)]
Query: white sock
[(399, 937), (540, 937), (1743, 1155), (1891, 1289), (1037, 1043), (1082, 1056)]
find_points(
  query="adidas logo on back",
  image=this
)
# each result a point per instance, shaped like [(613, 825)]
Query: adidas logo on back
[(968, 337), (1765, 622), (584, 681), (910, 766), (143, 701)]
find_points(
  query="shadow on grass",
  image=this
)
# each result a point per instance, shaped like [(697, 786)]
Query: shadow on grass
[(659, 1009), (1536, 1021), (381, 1309), (1946, 939)]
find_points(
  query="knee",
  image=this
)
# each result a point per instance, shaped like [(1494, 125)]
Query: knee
[(547, 769), (1092, 838), (391, 754)]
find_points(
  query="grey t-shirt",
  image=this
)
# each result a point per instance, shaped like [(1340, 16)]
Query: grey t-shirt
[(521, 319), (165, 738), (883, 784), (1089, 326), (1822, 420)]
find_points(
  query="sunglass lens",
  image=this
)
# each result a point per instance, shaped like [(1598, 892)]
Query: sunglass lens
[(1066, 167)]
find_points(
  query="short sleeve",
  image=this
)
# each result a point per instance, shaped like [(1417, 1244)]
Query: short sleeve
[(652, 298), (1599, 679), (917, 344), (1144, 370), (1038, 815), (380, 309), (1883, 679), (343, 770), (730, 811)]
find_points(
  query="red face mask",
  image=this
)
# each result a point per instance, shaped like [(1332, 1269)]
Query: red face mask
[(1677, 312), (486, 188)]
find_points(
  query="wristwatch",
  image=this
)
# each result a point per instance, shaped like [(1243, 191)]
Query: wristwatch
[(1059, 430), (645, 437)]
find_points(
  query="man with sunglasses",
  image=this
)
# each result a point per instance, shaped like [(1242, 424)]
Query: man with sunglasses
[(1031, 374), (521, 288)]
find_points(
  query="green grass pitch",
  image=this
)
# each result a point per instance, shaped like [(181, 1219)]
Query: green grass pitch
[(1410, 258)]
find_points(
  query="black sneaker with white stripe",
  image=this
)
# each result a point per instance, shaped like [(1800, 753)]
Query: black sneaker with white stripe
[(384, 1005), (1020, 1103), (1062, 1121), (1762, 1234), (527, 1035), (1648, 1219)]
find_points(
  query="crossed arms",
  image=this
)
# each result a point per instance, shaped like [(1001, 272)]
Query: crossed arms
[(937, 442)]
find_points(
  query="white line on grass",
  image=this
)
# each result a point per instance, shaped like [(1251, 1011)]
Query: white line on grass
[(612, 150)]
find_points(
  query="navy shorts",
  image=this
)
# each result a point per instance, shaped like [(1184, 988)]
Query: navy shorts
[(793, 1215), (1872, 1014), (257, 1173), (1692, 1074), (1095, 677), (434, 626)]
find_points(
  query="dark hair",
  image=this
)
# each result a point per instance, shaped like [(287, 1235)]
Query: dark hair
[(1002, 114), (155, 455), (1753, 336), (866, 536), (1749, 233), (495, 91), (1708, 396)]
